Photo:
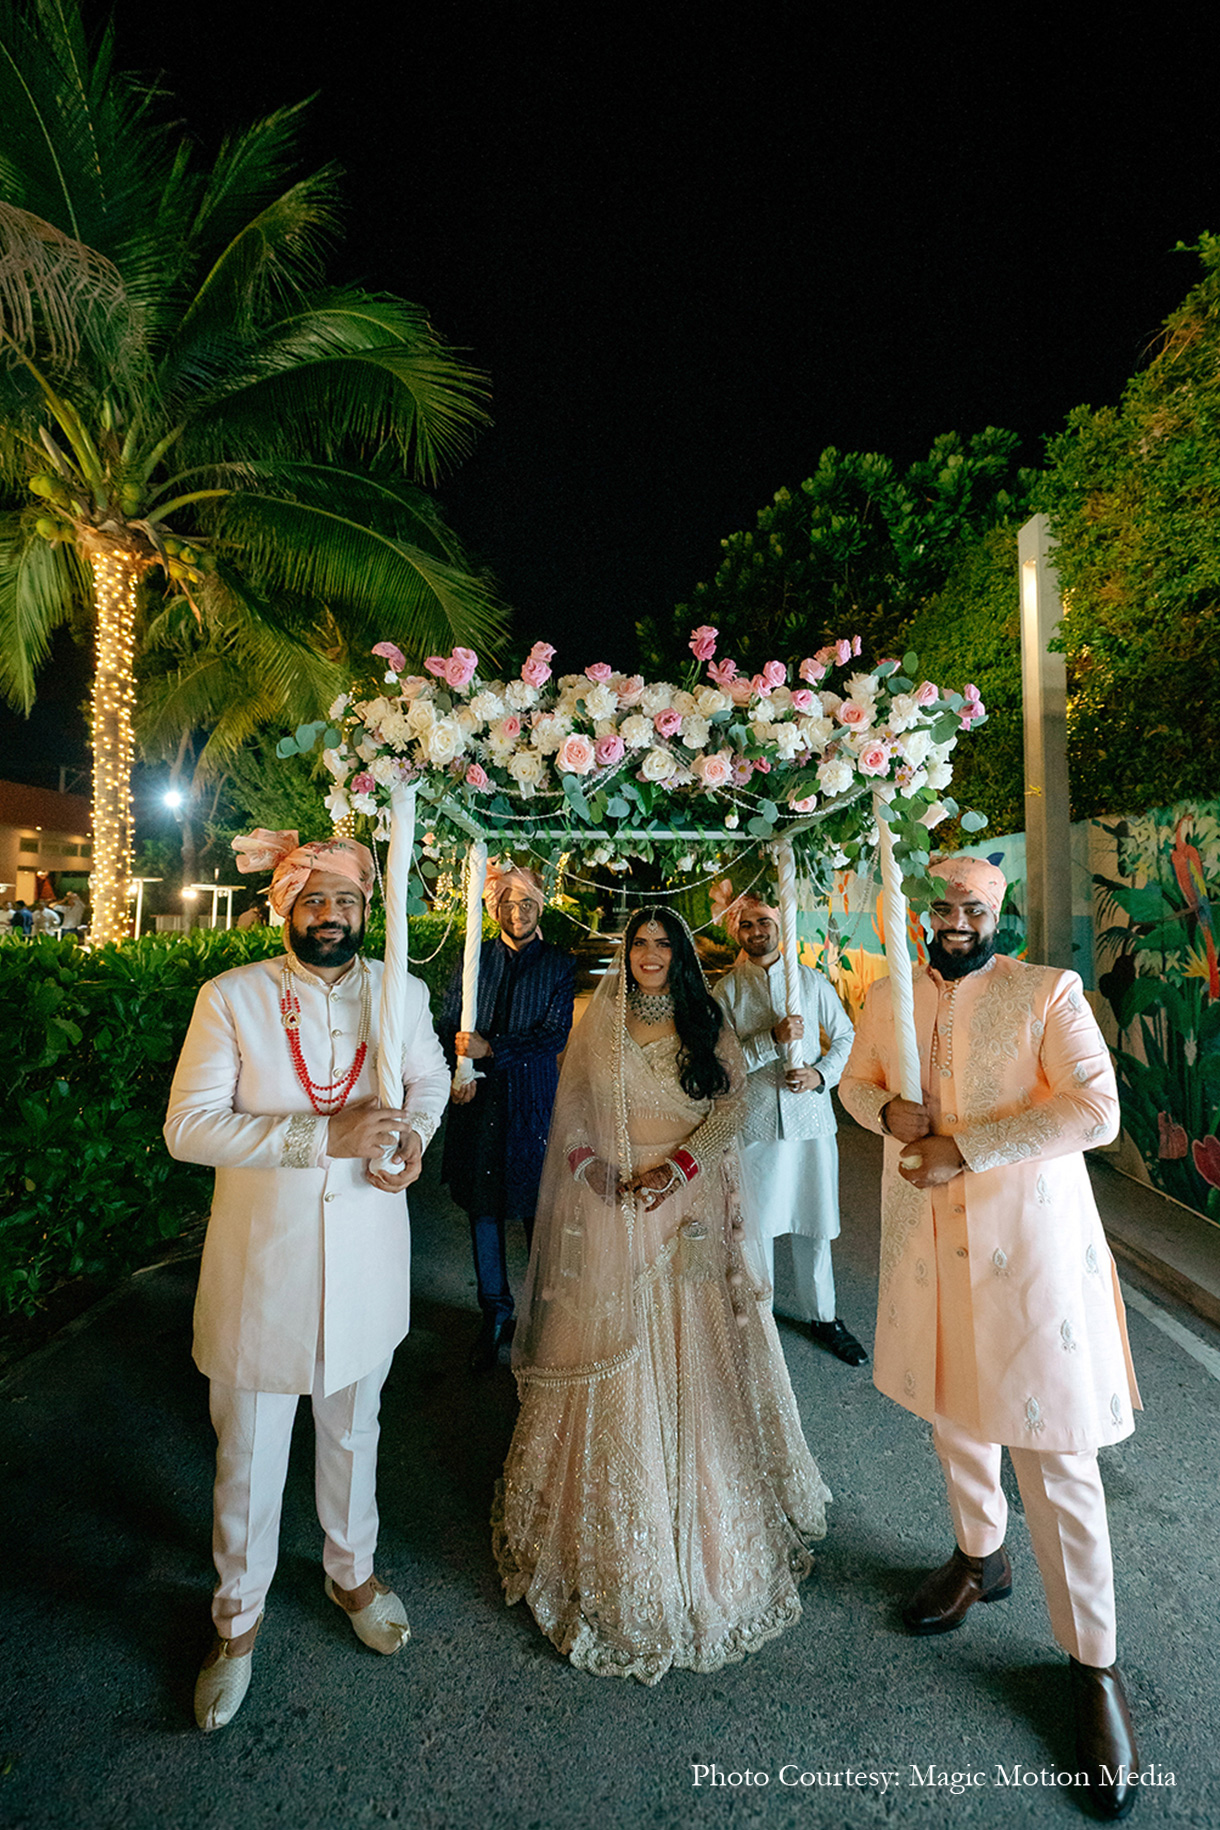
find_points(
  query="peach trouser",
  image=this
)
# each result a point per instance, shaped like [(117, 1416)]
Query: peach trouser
[(253, 1435), (1065, 1509)]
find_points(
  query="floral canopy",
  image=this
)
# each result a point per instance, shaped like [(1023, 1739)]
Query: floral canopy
[(607, 766)]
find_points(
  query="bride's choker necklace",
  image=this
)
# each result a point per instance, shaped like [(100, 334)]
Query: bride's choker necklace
[(652, 1007)]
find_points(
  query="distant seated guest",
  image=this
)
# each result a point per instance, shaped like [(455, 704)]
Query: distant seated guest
[(44, 919), (22, 919)]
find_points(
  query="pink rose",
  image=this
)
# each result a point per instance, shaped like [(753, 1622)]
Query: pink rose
[(411, 687), (855, 716), (631, 690), (394, 655), (740, 690), (804, 701), (476, 777), (703, 642), (855, 645), (723, 673), (542, 651), (927, 693), (842, 653), (667, 723), (460, 668), (813, 669), (535, 672), (362, 783), (775, 674), (576, 754), (609, 750), (438, 665), (804, 806), (714, 771), (762, 765), (874, 759), (509, 728), (598, 672), (825, 656)]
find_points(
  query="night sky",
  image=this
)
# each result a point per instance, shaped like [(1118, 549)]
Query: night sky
[(691, 256)]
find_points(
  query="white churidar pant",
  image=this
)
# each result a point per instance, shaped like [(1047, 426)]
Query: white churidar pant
[(253, 1435), (812, 1273), (1065, 1509)]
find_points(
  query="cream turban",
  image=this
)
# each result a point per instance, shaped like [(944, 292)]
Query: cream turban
[(292, 864)]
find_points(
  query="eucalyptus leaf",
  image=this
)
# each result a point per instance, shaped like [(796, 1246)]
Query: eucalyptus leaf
[(973, 821)]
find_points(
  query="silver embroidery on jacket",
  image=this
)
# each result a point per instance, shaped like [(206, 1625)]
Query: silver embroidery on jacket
[(1033, 1416), (1068, 1338), (298, 1144)]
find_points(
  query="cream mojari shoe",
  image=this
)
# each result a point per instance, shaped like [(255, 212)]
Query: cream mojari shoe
[(383, 1623), (220, 1689)]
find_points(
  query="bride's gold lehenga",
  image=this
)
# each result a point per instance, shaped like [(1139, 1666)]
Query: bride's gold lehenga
[(659, 1499)]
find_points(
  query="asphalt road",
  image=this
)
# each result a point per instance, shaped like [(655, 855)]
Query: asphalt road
[(105, 1465)]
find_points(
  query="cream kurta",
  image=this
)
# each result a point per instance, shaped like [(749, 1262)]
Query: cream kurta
[(1033, 1339), (304, 1259)]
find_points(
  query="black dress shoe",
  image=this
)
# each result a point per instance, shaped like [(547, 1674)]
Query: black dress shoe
[(1105, 1739), (834, 1337), (494, 1333), (943, 1599)]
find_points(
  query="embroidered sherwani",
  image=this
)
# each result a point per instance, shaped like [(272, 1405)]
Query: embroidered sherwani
[(304, 1259), (305, 1280), (999, 1317)]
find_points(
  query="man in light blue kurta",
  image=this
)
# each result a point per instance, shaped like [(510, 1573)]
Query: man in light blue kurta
[(789, 1149)]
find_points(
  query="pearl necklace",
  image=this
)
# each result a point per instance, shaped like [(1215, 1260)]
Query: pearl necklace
[(651, 1007), (945, 1062), (326, 1097)]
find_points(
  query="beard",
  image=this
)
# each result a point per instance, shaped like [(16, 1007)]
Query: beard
[(960, 965), (319, 949)]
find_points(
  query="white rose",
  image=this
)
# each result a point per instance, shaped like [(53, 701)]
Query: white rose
[(862, 687), (367, 748), (601, 701), (694, 731), (709, 701), (384, 770), (339, 706), (817, 732), (487, 706), (444, 741), (684, 704), (656, 698), (466, 719), (521, 696), (835, 775), (915, 746), (527, 769), (658, 766), (338, 762), (781, 699), (605, 727), (636, 731), (364, 803), (762, 731), (933, 815), (903, 712), (337, 804), (787, 740), (421, 717), (939, 775)]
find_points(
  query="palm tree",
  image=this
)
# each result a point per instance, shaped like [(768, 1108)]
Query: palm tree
[(188, 414)]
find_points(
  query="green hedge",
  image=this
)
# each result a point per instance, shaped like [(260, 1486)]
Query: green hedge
[(92, 1037)]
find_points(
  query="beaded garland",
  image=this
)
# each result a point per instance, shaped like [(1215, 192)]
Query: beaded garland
[(330, 1096)]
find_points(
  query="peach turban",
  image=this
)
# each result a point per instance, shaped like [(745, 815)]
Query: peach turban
[(291, 863), (973, 877), (511, 877), (728, 908)]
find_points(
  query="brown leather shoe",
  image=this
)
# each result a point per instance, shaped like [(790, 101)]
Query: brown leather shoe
[(1105, 1739), (943, 1599)]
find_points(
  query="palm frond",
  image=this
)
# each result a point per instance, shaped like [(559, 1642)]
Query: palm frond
[(40, 586), (367, 577), (248, 176), (50, 287)]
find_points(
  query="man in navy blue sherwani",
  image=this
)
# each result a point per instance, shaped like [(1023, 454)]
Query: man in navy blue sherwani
[(496, 1137)]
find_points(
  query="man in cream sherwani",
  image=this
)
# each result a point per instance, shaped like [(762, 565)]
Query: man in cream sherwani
[(789, 1146), (999, 1319), (305, 1280)]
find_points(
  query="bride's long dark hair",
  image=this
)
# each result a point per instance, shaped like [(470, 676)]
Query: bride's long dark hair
[(697, 1016)]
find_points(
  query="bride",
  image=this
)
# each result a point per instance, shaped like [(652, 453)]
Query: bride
[(659, 1499)]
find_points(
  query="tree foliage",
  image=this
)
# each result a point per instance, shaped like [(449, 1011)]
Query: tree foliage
[(1133, 495), (856, 549)]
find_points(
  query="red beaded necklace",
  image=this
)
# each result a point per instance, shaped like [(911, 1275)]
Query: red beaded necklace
[(330, 1096)]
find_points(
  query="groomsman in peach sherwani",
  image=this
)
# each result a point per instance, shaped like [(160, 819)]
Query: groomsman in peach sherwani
[(999, 1319)]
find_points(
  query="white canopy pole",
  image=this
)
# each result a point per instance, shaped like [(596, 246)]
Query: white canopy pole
[(476, 876), (894, 904), (785, 863), (397, 950)]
